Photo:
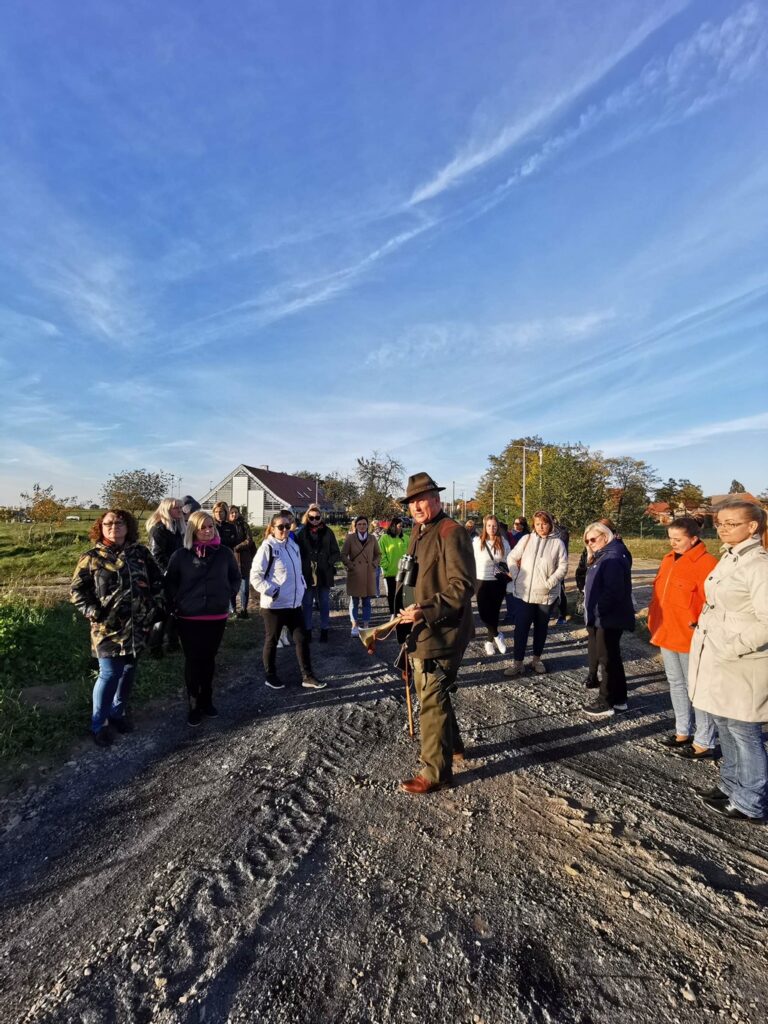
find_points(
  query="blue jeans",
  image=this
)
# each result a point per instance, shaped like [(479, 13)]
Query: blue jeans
[(112, 689), (527, 615), (354, 608), (676, 669), (245, 593), (323, 599), (744, 767)]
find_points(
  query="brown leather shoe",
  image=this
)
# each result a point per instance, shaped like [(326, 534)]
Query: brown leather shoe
[(420, 785)]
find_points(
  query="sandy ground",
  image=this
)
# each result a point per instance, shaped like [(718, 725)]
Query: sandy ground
[(264, 867)]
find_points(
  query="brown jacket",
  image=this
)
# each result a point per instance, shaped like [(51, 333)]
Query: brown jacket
[(444, 588), (361, 561)]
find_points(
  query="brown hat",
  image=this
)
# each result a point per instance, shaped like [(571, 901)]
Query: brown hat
[(419, 483)]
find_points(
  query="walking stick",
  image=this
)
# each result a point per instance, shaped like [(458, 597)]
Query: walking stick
[(408, 705)]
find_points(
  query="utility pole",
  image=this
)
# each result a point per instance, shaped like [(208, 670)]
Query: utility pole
[(453, 498)]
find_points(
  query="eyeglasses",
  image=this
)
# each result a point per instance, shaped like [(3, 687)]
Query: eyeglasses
[(731, 526), (109, 523), (313, 519), (282, 526), (592, 540)]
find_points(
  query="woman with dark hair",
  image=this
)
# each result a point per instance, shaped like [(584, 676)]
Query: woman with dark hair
[(361, 557), (118, 587), (201, 582), (538, 565), (276, 574), (728, 667), (319, 557), (226, 531), (676, 603), (608, 611), (244, 549), (392, 546), (491, 550)]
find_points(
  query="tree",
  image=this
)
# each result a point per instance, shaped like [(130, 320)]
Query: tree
[(506, 472), (737, 487), (570, 483), (379, 479), (689, 495), (631, 480), (667, 492), (341, 491), (42, 505), (135, 490)]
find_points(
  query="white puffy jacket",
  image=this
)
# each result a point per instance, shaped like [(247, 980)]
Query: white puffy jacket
[(538, 566), (276, 574)]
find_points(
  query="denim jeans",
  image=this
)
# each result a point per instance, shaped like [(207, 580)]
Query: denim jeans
[(354, 603), (527, 615), (676, 669), (323, 599), (744, 767), (112, 689), (245, 593)]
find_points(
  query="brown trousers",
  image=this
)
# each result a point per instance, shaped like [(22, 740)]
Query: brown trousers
[(440, 736)]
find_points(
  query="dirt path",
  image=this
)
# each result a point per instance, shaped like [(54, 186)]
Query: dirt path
[(265, 868)]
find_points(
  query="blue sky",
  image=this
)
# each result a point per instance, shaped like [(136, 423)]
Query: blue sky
[(290, 233)]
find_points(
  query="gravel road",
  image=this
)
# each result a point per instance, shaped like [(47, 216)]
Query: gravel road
[(264, 868)]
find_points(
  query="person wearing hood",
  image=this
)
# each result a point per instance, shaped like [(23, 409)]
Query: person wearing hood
[(361, 557), (118, 587), (608, 612), (319, 557), (201, 583), (188, 506)]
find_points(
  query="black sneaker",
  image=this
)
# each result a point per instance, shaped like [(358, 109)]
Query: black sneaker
[(121, 725), (242, 614), (274, 683), (210, 711), (195, 717), (103, 738), (599, 709), (590, 683), (323, 636), (714, 796), (310, 683)]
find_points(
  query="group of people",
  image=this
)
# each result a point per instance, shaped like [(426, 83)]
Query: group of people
[(709, 617)]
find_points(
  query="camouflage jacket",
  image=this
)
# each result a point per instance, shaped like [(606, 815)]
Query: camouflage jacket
[(119, 592)]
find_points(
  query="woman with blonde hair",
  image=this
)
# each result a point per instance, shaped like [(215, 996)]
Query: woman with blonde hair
[(538, 563), (491, 551), (728, 666), (201, 583), (165, 530), (319, 556)]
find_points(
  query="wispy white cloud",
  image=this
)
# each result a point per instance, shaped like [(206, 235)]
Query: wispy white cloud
[(130, 391), (686, 437), (436, 338), (477, 153)]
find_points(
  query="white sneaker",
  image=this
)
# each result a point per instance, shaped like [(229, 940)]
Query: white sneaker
[(501, 647), (489, 648), (354, 631)]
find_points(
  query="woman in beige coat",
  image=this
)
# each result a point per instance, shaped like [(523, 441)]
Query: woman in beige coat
[(361, 557), (728, 669)]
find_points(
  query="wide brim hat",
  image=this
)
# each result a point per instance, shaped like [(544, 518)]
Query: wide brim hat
[(419, 483)]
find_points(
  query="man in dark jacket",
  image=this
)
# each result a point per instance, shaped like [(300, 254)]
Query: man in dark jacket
[(438, 607)]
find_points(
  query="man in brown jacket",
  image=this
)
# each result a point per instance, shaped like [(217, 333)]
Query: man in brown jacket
[(438, 606)]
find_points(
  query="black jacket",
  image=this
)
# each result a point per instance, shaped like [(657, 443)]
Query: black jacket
[(581, 569), (163, 542), (608, 590), (201, 586), (321, 551), (228, 534)]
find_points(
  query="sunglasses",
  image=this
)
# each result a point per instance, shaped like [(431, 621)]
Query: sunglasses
[(282, 526), (313, 519), (592, 540)]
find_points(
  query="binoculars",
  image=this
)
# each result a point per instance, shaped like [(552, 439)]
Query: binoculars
[(407, 571)]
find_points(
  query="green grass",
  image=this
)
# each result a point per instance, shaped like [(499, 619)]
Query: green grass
[(46, 643), (656, 547)]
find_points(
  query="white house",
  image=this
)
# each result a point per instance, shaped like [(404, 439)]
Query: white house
[(260, 492)]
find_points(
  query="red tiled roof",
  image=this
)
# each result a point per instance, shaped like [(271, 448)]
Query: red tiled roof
[(294, 491)]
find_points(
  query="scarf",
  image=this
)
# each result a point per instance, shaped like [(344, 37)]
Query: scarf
[(201, 546)]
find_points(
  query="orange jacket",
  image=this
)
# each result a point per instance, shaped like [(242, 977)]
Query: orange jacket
[(678, 596)]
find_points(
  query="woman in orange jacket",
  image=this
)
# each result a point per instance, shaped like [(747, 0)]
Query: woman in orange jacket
[(676, 603)]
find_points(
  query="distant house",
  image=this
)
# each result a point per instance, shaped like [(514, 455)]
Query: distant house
[(661, 511), (261, 492)]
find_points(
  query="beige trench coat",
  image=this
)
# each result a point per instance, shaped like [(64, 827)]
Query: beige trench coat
[(728, 667), (361, 562)]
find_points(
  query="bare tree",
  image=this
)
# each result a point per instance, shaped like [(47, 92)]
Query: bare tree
[(135, 490)]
